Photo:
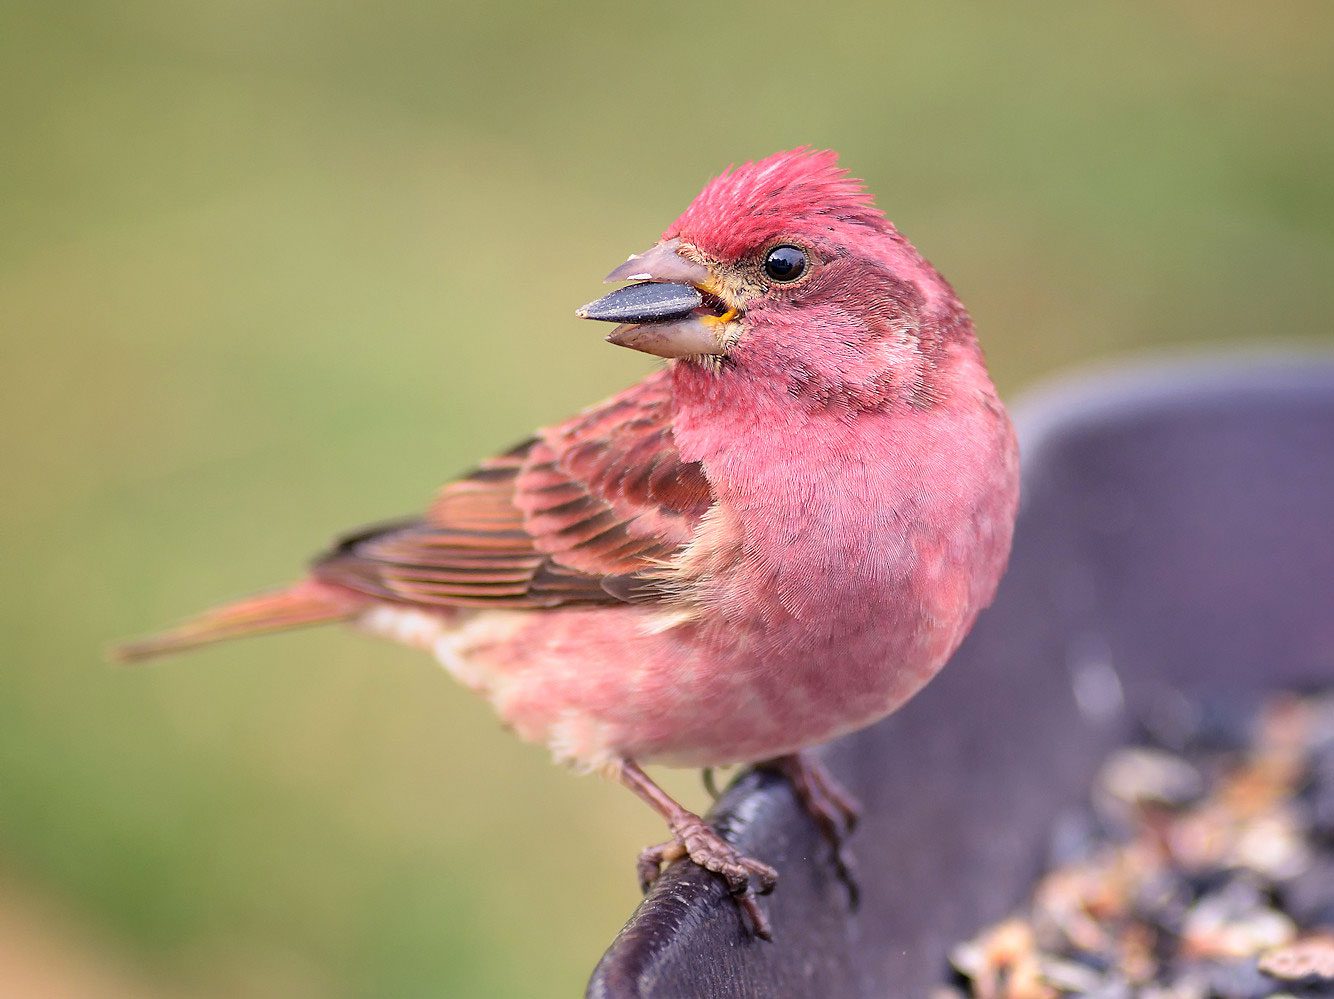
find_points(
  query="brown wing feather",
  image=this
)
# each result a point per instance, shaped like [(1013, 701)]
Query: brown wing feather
[(580, 514)]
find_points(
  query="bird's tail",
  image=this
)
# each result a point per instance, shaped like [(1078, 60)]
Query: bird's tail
[(304, 603)]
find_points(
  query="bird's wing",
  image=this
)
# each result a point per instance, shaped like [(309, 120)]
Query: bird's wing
[(583, 513)]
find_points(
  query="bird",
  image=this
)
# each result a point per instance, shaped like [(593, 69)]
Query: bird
[(777, 537)]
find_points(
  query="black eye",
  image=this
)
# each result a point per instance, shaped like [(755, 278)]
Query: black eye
[(785, 263)]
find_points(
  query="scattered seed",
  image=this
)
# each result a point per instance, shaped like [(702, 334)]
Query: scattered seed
[(1309, 959), (1204, 870)]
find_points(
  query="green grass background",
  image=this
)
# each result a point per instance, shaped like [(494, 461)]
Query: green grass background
[(274, 268)]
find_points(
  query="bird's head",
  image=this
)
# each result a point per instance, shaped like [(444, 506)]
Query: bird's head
[(785, 266)]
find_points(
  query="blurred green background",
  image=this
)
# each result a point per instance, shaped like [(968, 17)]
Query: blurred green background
[(274, 268)]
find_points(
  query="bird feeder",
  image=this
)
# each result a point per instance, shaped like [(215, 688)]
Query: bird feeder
[(1176, 539)]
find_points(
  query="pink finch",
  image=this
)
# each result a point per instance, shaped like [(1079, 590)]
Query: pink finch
[(776, 539)]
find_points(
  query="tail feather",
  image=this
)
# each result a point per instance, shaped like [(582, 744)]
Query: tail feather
[(305, 603)]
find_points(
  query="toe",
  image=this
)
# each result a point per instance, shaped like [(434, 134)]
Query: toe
[(759, 922), (648, 870), (651, 861), (764, 876)]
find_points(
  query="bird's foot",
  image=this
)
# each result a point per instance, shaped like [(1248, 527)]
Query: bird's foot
[(834, 810), (744, 876)]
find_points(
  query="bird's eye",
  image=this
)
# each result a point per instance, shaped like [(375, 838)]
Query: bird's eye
[(785, 263)]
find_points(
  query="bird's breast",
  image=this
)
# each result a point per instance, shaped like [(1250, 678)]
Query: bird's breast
[(895, 524)]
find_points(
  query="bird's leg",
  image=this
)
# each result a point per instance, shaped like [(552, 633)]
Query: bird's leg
[(710, 782), (834, 810), (691, 837)]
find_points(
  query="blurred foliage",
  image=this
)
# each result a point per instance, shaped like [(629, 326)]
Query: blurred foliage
[(273, 268)]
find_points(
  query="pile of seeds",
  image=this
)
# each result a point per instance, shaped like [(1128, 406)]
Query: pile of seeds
[(1203, 869)]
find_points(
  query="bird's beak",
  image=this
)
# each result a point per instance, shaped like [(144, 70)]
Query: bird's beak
[(672, 312)]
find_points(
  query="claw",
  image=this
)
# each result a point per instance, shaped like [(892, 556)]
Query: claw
[(692, 838), (759, 922), (744, 876), (652, 859), (833, 809)]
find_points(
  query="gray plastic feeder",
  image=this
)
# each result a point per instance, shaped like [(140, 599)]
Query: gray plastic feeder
[(1176, 537)]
